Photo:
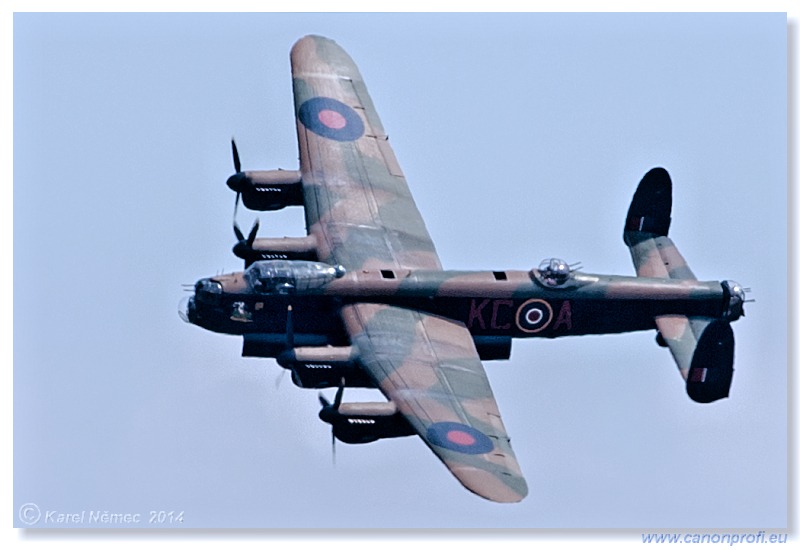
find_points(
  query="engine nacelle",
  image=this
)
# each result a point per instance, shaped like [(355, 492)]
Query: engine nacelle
[(285, 248), (365, 422), (324, 367), (272, 345), (268, 189)]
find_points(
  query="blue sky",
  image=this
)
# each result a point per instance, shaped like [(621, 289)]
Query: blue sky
[(521, 136)]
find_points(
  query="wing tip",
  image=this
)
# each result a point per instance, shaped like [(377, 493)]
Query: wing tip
[(317, 54), (491, 485), (313, 38)]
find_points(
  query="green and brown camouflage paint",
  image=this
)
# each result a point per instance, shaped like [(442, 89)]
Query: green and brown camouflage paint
[(395, 320)]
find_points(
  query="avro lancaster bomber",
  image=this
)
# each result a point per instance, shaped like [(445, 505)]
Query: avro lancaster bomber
[(363, 301)]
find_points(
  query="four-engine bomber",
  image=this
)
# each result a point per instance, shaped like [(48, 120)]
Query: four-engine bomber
[(362, 300)]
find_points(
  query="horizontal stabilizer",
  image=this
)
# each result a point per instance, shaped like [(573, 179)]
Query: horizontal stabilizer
[(701, 346)]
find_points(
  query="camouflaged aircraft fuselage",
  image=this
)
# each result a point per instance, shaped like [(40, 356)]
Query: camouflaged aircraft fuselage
[(495, 304)]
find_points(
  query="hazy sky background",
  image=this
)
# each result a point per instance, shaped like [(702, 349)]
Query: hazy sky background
[(522, 137)]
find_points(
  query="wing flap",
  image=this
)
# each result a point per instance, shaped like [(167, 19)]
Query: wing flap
[(429, 367)]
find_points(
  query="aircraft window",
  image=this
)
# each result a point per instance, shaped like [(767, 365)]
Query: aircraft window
[(208, 291), (285, 276), (500, 276), (387, 274), (207, 285)]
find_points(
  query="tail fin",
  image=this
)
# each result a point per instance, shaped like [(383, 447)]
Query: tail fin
[(711, 371), (651, 207), (701, 346)]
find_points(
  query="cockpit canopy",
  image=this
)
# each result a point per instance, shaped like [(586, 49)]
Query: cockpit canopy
[(289, 276)]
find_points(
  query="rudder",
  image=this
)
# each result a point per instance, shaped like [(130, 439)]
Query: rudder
[(711, 372), (651, 208)]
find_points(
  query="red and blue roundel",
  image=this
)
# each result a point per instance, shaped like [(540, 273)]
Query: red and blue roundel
[(331, 119), (459, 437), (534, 316)]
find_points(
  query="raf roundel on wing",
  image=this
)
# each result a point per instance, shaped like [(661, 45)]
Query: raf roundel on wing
[(330, 118), (459, 437)]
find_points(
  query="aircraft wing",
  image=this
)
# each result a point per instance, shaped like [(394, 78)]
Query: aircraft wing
[(360, 211), (429, 367), (358, 205)]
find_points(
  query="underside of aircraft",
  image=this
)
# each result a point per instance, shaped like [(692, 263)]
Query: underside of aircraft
[(362, 300)]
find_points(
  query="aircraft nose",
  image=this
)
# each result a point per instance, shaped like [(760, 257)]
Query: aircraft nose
[(184, 306)]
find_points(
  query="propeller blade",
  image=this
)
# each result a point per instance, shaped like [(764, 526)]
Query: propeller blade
[(333, 446), (244, 246), (337, 400), (237, 231), (236, 205), (279, 379), (252, 236), (329, 414), (237, 165)]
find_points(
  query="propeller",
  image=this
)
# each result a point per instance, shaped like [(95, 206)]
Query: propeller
[(330, 412), (244, 247), (234, 182)]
